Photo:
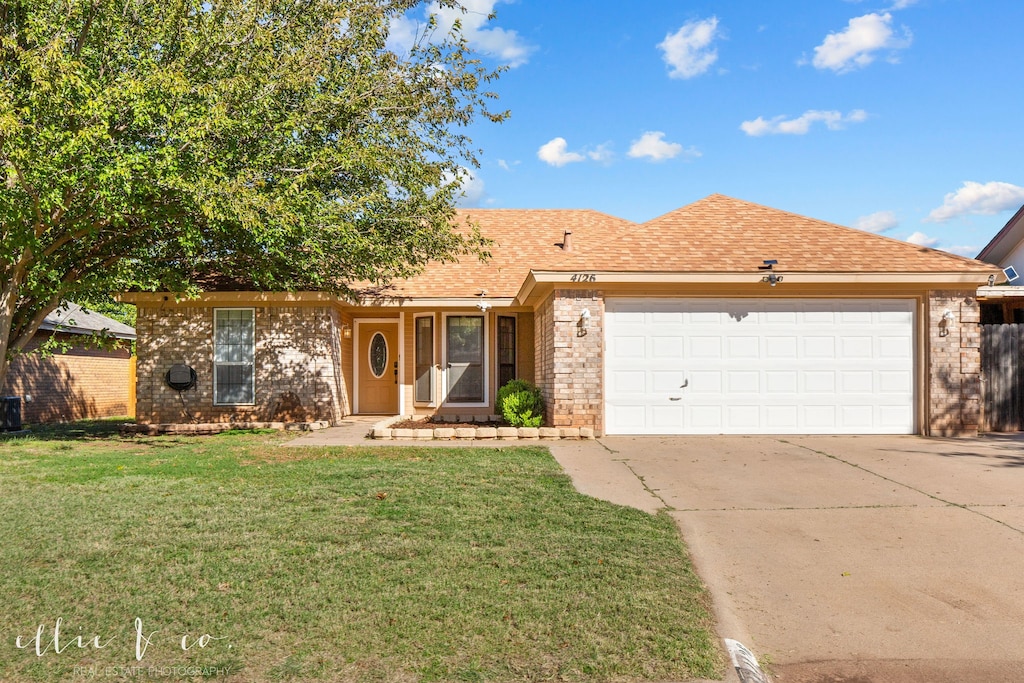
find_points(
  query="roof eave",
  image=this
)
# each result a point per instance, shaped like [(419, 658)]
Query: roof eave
[(740, 277), (1001, 245)]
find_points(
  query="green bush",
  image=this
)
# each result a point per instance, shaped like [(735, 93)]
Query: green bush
[(521, 404)]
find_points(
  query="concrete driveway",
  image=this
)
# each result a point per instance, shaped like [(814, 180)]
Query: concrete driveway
[(842, 559)]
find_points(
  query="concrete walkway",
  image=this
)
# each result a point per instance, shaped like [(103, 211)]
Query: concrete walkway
[(842, 559)]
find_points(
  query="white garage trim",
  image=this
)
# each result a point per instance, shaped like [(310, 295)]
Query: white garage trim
[(760, 366)]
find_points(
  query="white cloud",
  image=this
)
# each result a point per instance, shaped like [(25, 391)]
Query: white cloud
[(471, 191), (880, 221), (554, 152), (969, 252), (780, 125), (975, 198), (688, 51), (653, 146), (903, 4), (601, 154), (923, 240), (507, 46), (854, 47)]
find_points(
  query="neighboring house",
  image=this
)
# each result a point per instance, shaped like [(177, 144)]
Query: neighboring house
[(78, 381), (1004, 303), (673, 326)]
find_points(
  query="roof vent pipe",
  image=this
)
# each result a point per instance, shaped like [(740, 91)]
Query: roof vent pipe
[(567, 241)]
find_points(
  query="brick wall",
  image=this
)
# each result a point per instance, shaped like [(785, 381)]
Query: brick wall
[(569, 362), (79, 383), (299, 352), (954, 351)]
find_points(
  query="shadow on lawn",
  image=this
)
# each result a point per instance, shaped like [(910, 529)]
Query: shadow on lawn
[(81, 430)]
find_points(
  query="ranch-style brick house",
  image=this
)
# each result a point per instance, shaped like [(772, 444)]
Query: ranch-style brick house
[(722, 316)]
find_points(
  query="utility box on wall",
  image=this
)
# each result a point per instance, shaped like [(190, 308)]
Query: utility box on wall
[(10, 413)]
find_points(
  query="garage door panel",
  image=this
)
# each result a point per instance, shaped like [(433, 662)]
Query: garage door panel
[(857, 347), (856, 382), (895, 382), (819, 418), (783, 417), (818, 381), (628, 382), (704, 382), (894, 416), (705, 347), (819, 347), (667, 347), (631, 419), (781, 348), (782, 381), (895, 347), (743, 382), (857, 417), (629, 347), (743, 347), (668, 417), (667, 382), (752, 366)]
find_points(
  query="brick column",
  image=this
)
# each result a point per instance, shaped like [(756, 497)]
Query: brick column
[(570, 364), (954, 349)]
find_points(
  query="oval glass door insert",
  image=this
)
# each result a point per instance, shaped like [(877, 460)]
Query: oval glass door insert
[(378, 355)]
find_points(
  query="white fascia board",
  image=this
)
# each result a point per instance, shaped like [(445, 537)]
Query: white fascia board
[(604, 278)]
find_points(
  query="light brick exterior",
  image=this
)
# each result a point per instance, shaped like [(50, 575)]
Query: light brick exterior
[(79, 383), (954, 364), (304, 362), (570, 360), (298, 358)]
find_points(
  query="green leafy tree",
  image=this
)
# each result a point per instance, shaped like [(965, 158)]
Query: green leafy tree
[(277, 144)]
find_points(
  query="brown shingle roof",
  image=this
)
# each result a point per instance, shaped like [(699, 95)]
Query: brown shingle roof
[(524, 239), (714, 234), (719, 233)]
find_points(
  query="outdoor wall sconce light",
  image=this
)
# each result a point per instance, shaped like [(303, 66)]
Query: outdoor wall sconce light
[(346, 331), (583, 323), (771, 278), (945, 323)]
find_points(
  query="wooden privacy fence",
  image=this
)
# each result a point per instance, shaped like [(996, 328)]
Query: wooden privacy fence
[(1002, 378)]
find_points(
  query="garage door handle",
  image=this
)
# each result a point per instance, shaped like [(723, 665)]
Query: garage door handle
[(685, 384), (675, 398)]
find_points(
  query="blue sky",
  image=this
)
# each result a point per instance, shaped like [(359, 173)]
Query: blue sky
[(901, 117)]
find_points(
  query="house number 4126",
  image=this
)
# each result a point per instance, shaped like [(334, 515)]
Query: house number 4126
[(583, 277)]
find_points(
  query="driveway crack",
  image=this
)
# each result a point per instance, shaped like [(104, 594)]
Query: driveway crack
[(632, 471), (934, 497)]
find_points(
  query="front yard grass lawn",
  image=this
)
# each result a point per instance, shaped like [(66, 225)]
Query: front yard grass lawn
[(382, 564)]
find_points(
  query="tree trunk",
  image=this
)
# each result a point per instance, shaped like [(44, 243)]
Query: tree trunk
[(8, 299)]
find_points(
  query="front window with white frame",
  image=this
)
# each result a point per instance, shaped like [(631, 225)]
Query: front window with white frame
[(234, 355)]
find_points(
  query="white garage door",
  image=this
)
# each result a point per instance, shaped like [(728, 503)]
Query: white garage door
[(755, 366)]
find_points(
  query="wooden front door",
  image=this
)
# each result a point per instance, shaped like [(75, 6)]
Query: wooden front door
[(377, 357)]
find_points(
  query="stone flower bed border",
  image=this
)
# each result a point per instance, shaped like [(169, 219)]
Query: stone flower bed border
[(383, 430)]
